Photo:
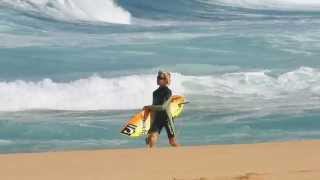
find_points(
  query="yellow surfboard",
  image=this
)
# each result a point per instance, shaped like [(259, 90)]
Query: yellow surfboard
[(139, 124)]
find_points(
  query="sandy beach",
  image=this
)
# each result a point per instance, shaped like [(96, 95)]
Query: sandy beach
[(265, 161)]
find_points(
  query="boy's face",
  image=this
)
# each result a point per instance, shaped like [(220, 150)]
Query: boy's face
[(162, 81)]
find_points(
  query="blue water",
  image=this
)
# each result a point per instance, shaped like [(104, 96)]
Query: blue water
[(73, 72)]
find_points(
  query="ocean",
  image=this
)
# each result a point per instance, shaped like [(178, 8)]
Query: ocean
[(72, 72)]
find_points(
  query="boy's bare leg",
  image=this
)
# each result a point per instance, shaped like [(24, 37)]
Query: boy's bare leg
[(173, 142), (152, 139)]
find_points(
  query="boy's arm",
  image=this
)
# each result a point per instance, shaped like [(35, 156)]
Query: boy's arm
[(163, 107)]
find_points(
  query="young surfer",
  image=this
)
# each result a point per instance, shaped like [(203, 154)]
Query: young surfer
[(161, 116)]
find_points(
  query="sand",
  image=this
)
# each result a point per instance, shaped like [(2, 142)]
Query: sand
[(266, 161)]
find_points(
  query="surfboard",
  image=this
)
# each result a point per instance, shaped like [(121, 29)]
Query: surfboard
[(139, 124)]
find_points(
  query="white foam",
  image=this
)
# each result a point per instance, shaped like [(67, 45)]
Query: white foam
[(94, 93), (260, 83), (294, 5), (135, 91), (5, 142), (85, 10)]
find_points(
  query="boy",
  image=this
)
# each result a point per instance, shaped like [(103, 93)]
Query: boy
[(161, 117)]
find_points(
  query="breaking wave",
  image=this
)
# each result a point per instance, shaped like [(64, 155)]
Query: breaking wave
[(134, 91), (83, 10)]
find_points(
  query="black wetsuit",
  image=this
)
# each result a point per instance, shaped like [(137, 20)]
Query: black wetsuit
[(161, 119)]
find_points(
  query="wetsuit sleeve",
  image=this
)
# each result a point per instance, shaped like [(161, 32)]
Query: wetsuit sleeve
[(171, 125), (160, 107), (167, 103)]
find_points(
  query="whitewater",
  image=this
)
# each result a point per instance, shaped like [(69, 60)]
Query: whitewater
[(121, 93), (73, 71), (84, 10)]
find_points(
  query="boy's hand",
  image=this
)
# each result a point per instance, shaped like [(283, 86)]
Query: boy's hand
[(146, 112), (146, 108)]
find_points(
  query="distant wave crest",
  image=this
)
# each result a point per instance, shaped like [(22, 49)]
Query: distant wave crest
[(292, 5), (83, 10)]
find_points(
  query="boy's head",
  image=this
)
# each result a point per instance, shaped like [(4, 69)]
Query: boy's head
[(163, 78)]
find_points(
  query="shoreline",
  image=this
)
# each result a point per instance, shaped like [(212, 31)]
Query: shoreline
[(263, 161), (166, 146)]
